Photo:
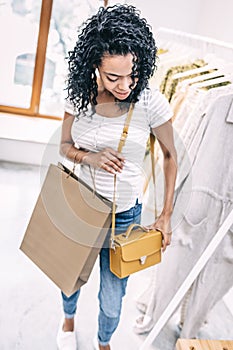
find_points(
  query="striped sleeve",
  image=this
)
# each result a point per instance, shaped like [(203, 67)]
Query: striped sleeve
[(158, 109)]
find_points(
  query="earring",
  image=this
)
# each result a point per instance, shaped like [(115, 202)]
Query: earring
[(97, 73)]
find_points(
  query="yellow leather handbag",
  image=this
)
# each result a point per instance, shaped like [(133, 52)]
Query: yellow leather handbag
[(138, 247), (135, 250)]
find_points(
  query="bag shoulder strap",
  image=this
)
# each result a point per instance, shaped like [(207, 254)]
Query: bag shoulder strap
[(120, 147), (152, 154), (121, 144), (125, 128)]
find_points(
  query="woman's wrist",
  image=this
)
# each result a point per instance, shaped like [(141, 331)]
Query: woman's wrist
[(85, 158), (166, 213), (78, 156)]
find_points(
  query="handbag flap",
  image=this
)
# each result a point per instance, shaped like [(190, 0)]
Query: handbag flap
[(139, 244)]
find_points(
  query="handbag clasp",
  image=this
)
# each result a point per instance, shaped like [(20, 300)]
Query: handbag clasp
[(143, 259)]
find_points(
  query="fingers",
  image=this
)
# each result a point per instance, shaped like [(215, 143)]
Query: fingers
[(107, 159), (111, 161), (166, 237), (110, 167), (166, 240), (114, 156), (118, 155)]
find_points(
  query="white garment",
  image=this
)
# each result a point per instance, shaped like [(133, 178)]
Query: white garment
[(97, 132), (186, 124), (199, 211)]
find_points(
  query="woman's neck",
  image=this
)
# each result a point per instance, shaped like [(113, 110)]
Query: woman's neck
[(104, 96), (107, 105)]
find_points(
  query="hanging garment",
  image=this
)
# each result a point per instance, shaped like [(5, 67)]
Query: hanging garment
[(197, 102), (181, 90), (170, 59), (204, 99), (204, 201), (191, 98), (168, 85)]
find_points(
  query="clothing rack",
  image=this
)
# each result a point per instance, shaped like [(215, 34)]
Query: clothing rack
[(204, 44), (223, 50), (216, 240)]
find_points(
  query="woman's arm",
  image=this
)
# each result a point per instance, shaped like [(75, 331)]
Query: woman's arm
[(67, 148), (107, 159), (164, 135)]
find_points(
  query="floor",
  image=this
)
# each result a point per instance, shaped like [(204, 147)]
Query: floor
[(30, 304)]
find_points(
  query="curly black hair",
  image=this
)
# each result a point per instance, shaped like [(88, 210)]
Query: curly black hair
[(116, 30)]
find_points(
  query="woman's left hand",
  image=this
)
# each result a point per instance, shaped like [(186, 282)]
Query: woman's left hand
[(163, 224)]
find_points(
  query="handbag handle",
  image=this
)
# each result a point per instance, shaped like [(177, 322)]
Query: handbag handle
[(133, 226)]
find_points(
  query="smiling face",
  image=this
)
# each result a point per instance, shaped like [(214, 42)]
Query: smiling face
[(115, 74)]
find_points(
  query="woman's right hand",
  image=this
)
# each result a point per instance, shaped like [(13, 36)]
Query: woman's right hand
[(107, 159)]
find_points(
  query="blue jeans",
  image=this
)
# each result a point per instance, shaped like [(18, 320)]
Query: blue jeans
[(112, 289)]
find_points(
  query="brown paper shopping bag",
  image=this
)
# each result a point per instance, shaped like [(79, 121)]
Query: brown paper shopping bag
[(67, 229)]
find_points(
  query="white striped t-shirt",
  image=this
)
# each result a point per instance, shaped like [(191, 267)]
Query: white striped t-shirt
[(98, 132)]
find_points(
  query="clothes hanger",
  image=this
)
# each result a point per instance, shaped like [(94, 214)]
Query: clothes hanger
[(228, 78), (202, 77), (211, 64), (218, 65), (226, 70)]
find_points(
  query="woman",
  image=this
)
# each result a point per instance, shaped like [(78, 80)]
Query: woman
[(109, 69)]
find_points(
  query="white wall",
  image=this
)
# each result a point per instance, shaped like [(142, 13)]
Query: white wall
[(176, 14), (216, 20), (212, 18)]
